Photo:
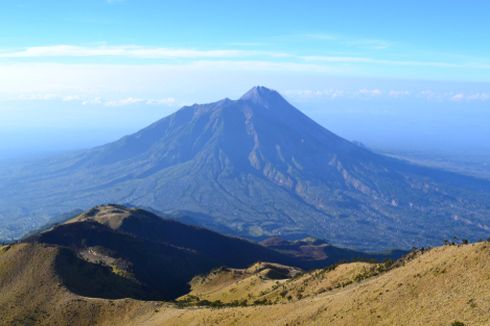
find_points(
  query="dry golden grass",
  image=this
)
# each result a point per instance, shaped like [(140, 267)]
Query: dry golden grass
[(254, 284), (437, 287), (32, 294)]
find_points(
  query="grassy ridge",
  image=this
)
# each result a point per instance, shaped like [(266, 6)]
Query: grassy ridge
[(436, 287)]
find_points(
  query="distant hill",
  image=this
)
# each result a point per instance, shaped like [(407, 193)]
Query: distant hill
[(114, 252), (143, 256), (255, 167), (316, 253)]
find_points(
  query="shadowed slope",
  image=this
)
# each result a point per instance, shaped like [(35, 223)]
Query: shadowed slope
[(114, 252), (155, 258), (34, 289)]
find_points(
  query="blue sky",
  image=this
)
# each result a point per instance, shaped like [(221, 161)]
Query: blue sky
[(369, 70)]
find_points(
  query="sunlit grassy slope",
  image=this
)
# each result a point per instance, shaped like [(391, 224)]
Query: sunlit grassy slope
[(435, 287)]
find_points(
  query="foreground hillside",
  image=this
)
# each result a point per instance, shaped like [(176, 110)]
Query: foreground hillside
[(254, 167), (431, 287), (438, 287)]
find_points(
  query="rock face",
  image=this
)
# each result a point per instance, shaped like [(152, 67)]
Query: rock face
[(258, 167)]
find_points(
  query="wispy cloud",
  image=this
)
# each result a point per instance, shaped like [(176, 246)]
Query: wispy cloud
[(478, 96), (369, 60), (321, 36), (370, 44), (147, 75), (96, 100), (169, 101), (373, 93), (304, 94), (130, 51), (333, 94), (336, 59), (274, 58), (362, 43)]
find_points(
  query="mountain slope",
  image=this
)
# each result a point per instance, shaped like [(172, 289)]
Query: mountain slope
[(147, 256), (432, 287), (32, 290), (436, 287), (256, 167), (72, 272), (115, 252)]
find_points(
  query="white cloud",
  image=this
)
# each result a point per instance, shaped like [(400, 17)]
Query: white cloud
[(453, 96), (459, 97), (152, 84), (169, 101), (373, 61), (96, 100), (142, 52), (479, 96), (337, 59), (324, 93), (129, 51), (366, 93), (360, 43), (375, 92), (205, 80)]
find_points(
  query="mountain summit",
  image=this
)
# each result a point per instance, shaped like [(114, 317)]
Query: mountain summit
[(265, 97), (257, 167)]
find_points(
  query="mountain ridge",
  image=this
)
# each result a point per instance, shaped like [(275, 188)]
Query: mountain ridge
[(115, 252), (434, 286)]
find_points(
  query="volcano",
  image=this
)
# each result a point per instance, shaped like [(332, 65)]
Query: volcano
[(256, 167)]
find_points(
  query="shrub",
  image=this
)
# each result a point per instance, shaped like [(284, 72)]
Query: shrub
[(457, 323), (261, 302)]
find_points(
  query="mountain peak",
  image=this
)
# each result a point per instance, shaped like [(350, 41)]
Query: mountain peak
[(110, 215), (263, 96), (258, 91)]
